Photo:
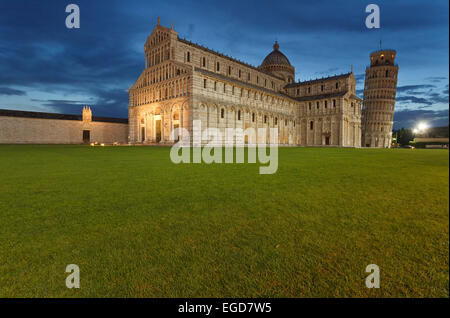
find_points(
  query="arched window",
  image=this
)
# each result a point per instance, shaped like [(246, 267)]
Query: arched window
[(229, 70), (334, 103), (326, 104), (204, 61), (310, 105), (387, 73), (222, 113), (337, 85), (285, 122), (253, 117), (311, 125), (276, 120), (318, 104), (239, 115), (218, 67), (204, 83), (188, 57), (265, 119), (215, 85)]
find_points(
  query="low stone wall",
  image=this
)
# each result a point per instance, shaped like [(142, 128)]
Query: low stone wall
[(21, 130)]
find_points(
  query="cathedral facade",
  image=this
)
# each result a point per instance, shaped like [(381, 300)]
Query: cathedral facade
[(183, 82)]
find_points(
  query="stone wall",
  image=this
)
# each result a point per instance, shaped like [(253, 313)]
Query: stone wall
[(21, 130)]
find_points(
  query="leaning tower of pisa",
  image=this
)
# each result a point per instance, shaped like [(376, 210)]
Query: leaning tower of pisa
[(380, 87)]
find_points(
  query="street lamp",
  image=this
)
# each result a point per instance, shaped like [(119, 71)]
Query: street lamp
[(422, 127)]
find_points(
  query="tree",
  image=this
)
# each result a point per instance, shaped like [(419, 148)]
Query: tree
[(404, 136)]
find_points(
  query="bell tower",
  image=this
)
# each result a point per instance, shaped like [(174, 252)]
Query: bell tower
[(380, 88)]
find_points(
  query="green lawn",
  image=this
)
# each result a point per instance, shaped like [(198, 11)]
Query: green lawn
[(140, 226)]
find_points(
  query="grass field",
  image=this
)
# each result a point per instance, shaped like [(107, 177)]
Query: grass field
[(138, 225)]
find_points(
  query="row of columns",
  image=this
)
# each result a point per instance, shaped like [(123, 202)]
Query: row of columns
[(150, 125)]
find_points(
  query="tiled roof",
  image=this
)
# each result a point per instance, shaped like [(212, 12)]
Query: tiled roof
[(355, 97), (315, 97), (41, 115), (332, 95), (227, 57), (318, 80)]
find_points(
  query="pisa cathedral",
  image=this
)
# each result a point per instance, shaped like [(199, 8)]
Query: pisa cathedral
[(183, 82)]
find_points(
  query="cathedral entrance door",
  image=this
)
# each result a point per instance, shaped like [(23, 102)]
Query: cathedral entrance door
[(327, 140), (246, 136), (176, 136), (158, 130), (142, 134)]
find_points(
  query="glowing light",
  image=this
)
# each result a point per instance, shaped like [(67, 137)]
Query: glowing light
[(103, 145), (422, 126)]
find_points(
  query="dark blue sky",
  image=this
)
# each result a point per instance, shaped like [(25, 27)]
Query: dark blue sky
[(46, 67)]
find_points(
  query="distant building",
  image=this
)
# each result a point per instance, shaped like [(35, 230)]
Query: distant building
[(431, 142)]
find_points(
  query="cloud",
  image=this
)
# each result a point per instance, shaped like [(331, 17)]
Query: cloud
[(413, 88), (413, 99), (423, 95), (408, 118), (112, 102), (11, 91), (435, 79), (331, 70)]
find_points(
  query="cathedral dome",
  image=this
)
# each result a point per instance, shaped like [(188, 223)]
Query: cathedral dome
[(276, 57), (277, 64)]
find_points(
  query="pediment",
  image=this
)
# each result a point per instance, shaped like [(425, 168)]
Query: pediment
[(159, 34)]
